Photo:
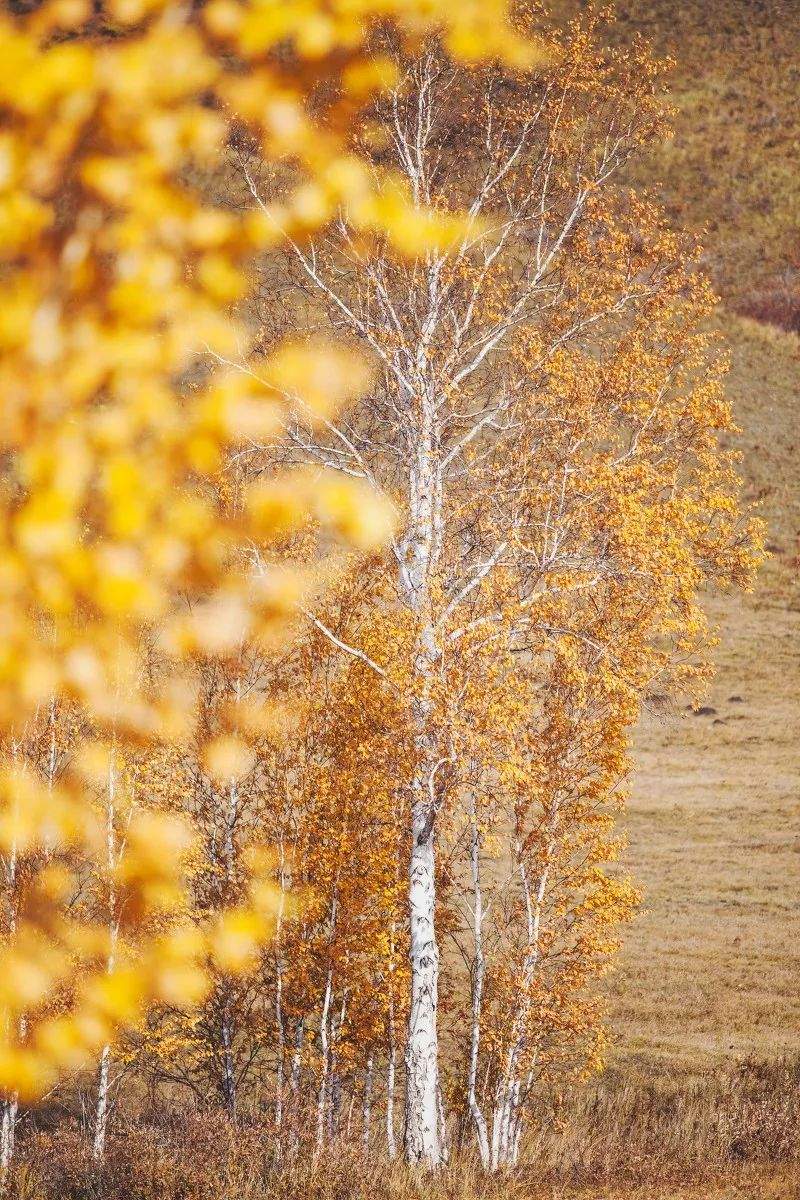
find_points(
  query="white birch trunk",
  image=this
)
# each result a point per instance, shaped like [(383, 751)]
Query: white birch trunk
[(497, 1121), (101, 1109), (508, 1086), (8, 1132), (279, 1001), (423, 1143), (422, 1054), (505, 1123), (512, 1098), (479, 971)]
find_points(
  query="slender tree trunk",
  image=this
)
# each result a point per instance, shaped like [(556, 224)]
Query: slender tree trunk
[(423, 1144), (506, 1129), (479, 970), (279, 1002), (101, 1110), (422, 1053), (228, 1059), (297, 1059), (281, 1052), (507, 1097), (391, 1144), (334, 1108), (103, 1078), (323, 1082), (8, 1128), (516, 1133), (497, 1122), (443, 1140), (297, 1055), (508, 1085), (367, 1121), (228, 1063), (11, 1103), (8, 1132)]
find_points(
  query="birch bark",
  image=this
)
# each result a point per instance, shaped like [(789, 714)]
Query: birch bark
[(479, 969), (423, 1144)]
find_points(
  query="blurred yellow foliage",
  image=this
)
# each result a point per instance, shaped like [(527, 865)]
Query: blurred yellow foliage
[(117, 276)]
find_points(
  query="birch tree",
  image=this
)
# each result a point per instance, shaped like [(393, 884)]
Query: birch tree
[(112, 859), (478, 351)]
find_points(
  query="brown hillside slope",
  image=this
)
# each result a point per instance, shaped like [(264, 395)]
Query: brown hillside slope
[(711, 968), (731, 168)]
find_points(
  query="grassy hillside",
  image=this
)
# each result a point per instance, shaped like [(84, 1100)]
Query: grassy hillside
[(731, 168), (710, 969)]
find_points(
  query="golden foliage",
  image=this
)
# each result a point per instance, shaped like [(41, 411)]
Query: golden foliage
[(558, 457)]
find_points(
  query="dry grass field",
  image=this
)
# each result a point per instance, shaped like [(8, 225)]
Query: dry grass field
[(711, 967)]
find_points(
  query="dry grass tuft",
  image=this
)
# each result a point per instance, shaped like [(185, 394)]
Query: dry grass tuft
[(673, 1128)]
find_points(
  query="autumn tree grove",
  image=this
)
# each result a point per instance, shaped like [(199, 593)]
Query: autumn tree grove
[(364, 456)]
